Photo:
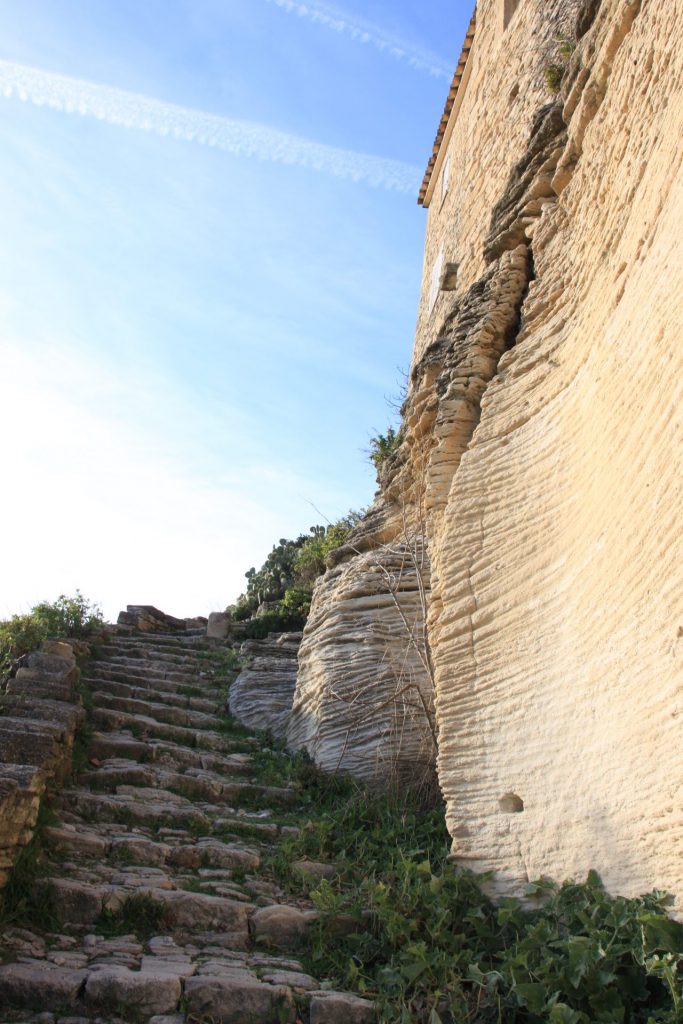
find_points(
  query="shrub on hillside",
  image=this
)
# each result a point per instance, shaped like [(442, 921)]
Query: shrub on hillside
[(67, 617), (286, 579)]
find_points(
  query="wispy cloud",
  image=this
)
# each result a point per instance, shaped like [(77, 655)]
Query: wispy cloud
[(365, 32), (242, 138)]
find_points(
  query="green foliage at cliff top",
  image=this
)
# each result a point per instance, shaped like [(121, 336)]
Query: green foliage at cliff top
[(287, 576)]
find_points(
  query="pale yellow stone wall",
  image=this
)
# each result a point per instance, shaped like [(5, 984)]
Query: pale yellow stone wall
[(559, 640), (505, 88)]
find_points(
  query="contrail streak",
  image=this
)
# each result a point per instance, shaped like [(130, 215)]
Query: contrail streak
[(243, 138), (365, 32)]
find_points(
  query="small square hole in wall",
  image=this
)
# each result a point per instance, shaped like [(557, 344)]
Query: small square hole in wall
[(509, 8), (449, 277)]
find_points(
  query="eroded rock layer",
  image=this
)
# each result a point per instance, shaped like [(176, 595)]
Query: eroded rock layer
[(557, 637), (364, 699), (261, 696)]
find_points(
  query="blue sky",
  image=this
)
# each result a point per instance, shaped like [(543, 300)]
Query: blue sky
[(196, 342)]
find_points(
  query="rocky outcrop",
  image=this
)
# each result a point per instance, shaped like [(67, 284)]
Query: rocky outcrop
[(145, 618), (364, 697), (39, 716), (261, 696)]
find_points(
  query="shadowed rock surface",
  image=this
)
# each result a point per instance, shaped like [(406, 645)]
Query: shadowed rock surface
[(261, 696)]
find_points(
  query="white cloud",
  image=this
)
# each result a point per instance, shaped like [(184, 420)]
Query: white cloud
[(242, 138), (365, 32)]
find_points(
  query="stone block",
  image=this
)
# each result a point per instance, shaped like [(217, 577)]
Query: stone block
[(340, 1008), (39, 986), (238, 997), (139, 993), (218, 625), (281, 925)]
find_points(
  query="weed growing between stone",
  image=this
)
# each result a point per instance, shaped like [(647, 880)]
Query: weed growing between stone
[(140, 915)]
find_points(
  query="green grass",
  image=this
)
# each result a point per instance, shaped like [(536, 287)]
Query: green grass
[(140, 914)]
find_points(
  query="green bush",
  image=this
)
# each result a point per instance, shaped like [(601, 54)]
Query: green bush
[(274, 622), (309, 562), (383, 446), (286, 578), (67, 617)]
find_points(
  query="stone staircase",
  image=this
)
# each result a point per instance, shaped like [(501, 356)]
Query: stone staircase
[(160, 909)]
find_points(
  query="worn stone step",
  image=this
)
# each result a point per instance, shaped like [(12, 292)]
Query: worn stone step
[(235, 757), (184, 853), (210, 703), (214, 787), (159, 655), (136, 806), (194, 783), (141, 676), (81, 903), (40, 985), (144, 727), (166, 713), (119, 744), (161, 643)]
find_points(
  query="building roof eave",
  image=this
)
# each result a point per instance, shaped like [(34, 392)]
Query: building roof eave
[(446, 124)]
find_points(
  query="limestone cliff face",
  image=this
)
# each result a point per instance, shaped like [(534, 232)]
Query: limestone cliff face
[(540, 470), (557, 641)]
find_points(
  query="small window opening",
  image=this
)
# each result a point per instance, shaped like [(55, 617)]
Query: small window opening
[(509, 9)]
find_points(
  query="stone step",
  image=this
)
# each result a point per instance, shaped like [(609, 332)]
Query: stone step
[(137, 805), (235, 757), (162, 643), (210, 704), (81, 903), (140, 676), (120, 652), (147, 728), (182, 694), (160, 712), (117, 979), (194, 783)]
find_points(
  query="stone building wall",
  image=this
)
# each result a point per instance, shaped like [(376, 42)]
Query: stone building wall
[(503, 87)]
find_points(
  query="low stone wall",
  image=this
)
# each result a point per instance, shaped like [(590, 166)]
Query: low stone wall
[(39, 716)]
